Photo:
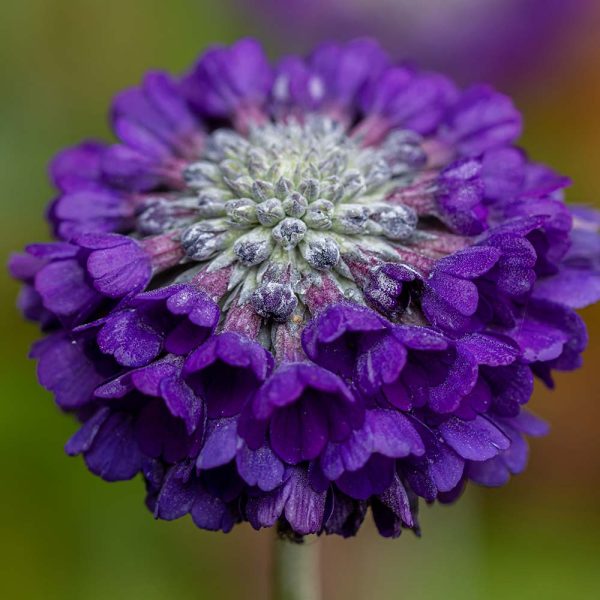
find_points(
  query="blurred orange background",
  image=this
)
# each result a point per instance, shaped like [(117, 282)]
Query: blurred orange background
[(67, 535)]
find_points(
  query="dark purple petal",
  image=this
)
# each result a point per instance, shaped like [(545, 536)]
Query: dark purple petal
[(175, 318), (220, 445), (134, 171), (437, 373), (211, 513), (132, 342), (226, 79), (177, 493), (379, 369), (64, 290), (577, 280), (502, 273), (83, 439), (491, 473), (181, 402), (226, 372), (475, 440), (296, 88), (438, 470), (346, 69), (408, 99), (460, 197), (265, 509), (304, 508), (503, 173), (392, 510), (146, 380), (389, 289), (385, 432), (336, 337), (551, 336), (159, 434), (77, 167), (154, 118), (491, 349), (70, 369), (306, 406), (528, 423), (98, 210), (260, 468), (114, 454), (483, 120), (117, 265), (346, 516), (371, 479)]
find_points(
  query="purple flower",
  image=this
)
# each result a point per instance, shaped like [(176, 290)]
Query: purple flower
[(336, 338), (226, 372), (176, 318), (291, 295), (146, 413), (385, 435), (182, 492), (159, 135), (87, 202), (416, 367), (305, 406), (576, 282), (71, 367), (230, 82), (496, 471), (73, 279), (403, 97), (481, 285)]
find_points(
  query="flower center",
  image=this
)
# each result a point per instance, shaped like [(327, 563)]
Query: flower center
[(288, 203)]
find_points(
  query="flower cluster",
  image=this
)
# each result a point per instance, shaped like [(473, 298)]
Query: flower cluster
[(290, 293)]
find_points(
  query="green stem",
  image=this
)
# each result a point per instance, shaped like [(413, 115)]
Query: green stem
[(296, 572)]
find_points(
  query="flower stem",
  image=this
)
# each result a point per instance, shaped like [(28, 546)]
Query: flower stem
[(296, 572)]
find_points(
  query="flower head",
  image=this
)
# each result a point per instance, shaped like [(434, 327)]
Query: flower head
[(292, 293)]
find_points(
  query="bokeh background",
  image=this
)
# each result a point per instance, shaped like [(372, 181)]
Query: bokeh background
[(64, 534)]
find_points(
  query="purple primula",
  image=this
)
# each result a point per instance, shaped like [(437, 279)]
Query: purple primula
[(294, 293)]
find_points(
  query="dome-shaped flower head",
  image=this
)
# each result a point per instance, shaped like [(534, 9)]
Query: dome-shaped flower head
[(292, 294)]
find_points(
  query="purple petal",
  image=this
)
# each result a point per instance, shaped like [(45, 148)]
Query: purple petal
[(77, 167), (482, 120), (220, 445), (177, 493), (372, 479), (67, 371), (182, 402), (117, 264), (226, 372), (114, 454), (84, 437), (259, 468), (211, 513), (474, 440), (392, 510), (132, 342), (491, 473), (63, 288), (304, 508)]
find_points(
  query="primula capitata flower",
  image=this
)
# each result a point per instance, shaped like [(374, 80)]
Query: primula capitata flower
[(294, 292)]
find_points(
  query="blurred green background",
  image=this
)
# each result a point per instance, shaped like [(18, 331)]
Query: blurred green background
[(65, 534)]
